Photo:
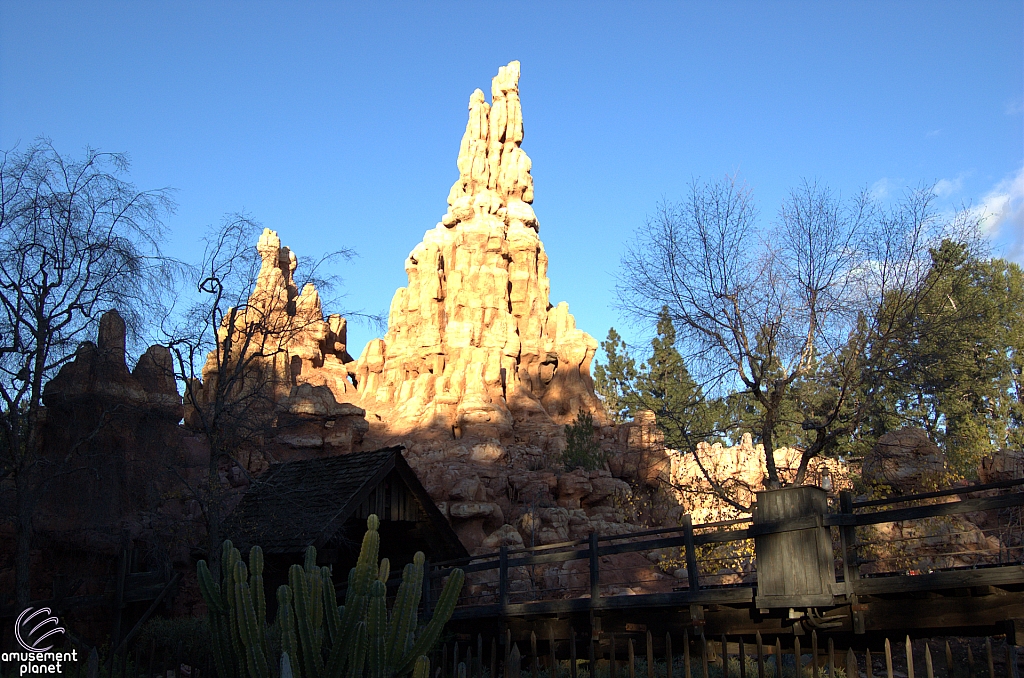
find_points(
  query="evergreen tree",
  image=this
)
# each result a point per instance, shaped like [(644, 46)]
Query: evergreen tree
[(615, 381), (662, 384), (665, 386), (954, 364)]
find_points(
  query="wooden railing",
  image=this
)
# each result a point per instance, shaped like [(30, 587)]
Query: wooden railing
[(689, 537)]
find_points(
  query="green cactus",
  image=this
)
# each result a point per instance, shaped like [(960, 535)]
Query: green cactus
[(318, 638)]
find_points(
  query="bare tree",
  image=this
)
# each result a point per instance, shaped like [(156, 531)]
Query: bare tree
[(769, 309), (231, 349), (76, 239)]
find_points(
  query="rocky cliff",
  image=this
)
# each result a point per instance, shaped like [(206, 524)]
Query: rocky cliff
[(474, 346)]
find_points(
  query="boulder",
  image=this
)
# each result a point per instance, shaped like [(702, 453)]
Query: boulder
[(906, 462), (1001, 465)]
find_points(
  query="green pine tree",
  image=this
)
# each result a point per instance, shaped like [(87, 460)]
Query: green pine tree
[(662, 384), (953, 365), (615, 381)]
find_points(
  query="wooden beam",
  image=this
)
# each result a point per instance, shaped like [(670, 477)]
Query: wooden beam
[(938, 581)]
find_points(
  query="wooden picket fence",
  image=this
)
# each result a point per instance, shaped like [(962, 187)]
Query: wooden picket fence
[(701, 657)]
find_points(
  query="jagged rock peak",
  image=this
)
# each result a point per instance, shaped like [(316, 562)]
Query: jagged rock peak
[(297, 356), (494, 172), (473, 342)]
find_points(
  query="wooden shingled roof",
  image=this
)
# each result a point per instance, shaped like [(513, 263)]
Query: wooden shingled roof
[(296, 504)]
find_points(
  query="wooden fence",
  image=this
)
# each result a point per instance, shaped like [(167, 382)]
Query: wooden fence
[(822, 540), (699, 657)]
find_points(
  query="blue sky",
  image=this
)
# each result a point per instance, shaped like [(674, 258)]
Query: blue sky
[(338, 125)]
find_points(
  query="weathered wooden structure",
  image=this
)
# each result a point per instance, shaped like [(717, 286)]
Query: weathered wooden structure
[(324, 503), (795, 567), (804, 576)]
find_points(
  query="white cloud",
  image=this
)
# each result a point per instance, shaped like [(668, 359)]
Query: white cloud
[(1002, 214), (933, 133), (946, 187), (880, 189), (1014, 107)]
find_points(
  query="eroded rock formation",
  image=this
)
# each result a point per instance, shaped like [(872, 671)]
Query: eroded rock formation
[(740, 471), (473, 344), (297, 377)]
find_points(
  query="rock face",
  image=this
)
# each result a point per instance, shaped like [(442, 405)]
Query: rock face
[(299, 371), (98, 376), (740, 469), (905, 461), (1004, 464), (473, 344)]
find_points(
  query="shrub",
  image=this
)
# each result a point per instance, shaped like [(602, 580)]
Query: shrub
[(581, 450)]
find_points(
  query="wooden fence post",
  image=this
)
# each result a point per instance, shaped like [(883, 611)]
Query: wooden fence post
[(949, 661), (591, 651), (743, 660), (867, 664), (686, 654), (848, 541), (494, 657), (572, 652), (851, 664), (832, 658), (551, 651), (888, 659), (595, 571), (725, 657), (928, 671), (503, 580), (814, 654), (797, 655), (668, 655), (760, 655), (988, 656), (650, 655), (122, 572), (613, 671), (632, 663), (910, 658), (534, 659), (692, 576), (970, 662), (704, 653)]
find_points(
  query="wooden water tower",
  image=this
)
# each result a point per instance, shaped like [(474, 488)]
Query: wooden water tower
[(795, 565)]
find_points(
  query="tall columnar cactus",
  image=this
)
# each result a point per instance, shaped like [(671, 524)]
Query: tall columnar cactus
[(312, 636)]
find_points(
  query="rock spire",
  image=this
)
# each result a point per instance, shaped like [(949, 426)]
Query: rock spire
[(473, 342)]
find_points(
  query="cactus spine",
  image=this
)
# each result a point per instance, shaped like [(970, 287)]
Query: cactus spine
[(318, 638)]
